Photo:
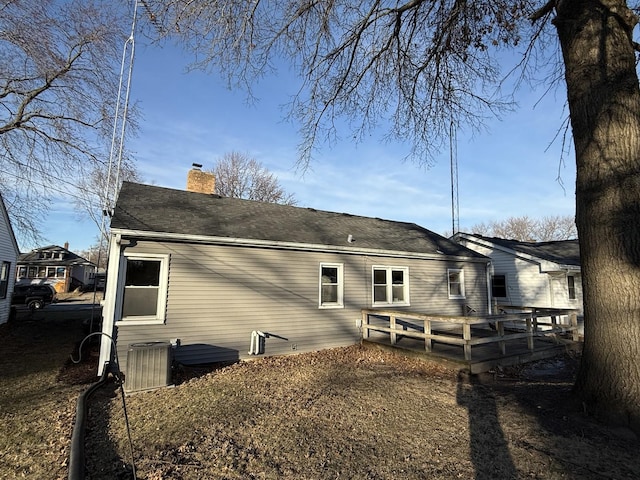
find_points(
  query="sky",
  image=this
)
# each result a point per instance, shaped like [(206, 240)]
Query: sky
[(508, 170)]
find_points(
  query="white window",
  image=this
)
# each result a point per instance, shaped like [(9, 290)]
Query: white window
[(456, 283), (331, 285), (390, 286), (144, 290)]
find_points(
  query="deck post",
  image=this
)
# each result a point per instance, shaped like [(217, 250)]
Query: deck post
[(530, 332), (365, 325), (427, 339), (573, 319), (554, 328), (466, 335), (392, 326)]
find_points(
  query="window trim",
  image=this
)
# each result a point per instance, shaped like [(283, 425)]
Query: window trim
[(571, 287), (5, 275), (163, 283), (389, 286), (462, 290), (340, 285)]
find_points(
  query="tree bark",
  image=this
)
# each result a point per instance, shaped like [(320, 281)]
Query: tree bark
[(604, 103)]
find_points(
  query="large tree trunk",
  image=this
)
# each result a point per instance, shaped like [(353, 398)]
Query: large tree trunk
[(604, 103)]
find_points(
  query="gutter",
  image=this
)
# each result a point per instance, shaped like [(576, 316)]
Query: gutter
[(178, 237)]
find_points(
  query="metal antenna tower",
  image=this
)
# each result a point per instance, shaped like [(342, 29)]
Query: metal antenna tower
[(120, 120), (453, 152)]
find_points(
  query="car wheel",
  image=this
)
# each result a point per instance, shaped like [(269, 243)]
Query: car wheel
[(35, 304)]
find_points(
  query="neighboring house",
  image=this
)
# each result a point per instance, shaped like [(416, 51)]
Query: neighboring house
[(8, 257), (221, 277), (57, 266), (542, 274)]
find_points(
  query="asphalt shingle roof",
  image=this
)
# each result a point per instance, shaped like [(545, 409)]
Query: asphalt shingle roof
[(563, 252), (163, 210), (34, 258)]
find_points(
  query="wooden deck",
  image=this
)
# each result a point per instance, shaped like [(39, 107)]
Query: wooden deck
[(476, 343)]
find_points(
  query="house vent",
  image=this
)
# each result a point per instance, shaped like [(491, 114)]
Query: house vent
[(148, 366)]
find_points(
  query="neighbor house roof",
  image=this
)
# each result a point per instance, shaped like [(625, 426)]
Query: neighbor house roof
[(563, 252), (146, 208), (52, 255)]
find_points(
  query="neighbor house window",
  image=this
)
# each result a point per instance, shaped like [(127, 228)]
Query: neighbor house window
[(456, 283), (571, 285), (331, 285), (4, 278), (390, 286), (144, 295), (22, 272), (33, 272), (499, 286)]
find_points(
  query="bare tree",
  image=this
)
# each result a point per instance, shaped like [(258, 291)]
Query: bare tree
[(96, 254), (431, 64), (94, 192), (58, 88), (526, 229), (240, 176)]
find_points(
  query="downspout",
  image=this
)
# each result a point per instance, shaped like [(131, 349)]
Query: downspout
[(489, 275), (109, 303)]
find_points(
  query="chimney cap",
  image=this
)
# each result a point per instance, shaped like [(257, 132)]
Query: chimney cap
[(196, 165)]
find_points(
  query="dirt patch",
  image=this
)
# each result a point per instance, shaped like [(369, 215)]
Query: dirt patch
[(359, 413)]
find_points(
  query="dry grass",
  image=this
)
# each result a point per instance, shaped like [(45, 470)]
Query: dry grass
[(37, 408), (359, 413)]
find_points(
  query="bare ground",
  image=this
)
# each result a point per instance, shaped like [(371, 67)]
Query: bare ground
[(360, 413)]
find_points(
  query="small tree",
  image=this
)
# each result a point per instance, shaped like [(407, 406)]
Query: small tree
[(526, 229), (240, 176)]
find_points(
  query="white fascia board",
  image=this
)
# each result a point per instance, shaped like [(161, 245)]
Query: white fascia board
[(173, 237)]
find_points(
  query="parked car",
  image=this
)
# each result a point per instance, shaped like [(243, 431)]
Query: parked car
[(33, 296)]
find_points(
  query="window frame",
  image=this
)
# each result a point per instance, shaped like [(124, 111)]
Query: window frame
[(389, 286), (571, 287), (459, 271), (340, 286), (493, 277), (163, 283), (5, 274)]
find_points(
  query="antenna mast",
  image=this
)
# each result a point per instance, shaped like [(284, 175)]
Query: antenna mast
[(453, 152), (120, 121)]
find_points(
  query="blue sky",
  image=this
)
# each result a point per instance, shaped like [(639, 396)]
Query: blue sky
[(507, 170)]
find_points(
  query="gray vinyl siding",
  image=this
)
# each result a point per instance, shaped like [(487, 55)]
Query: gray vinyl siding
[(217, 295), (8, 253)]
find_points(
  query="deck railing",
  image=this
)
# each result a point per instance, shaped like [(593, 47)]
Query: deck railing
[(520, 322)]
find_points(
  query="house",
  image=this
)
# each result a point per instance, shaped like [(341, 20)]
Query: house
[(542, 274), (223, 278), (57, 266), (8, 257)]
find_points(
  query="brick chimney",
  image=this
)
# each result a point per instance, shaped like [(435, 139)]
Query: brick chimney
[(199, 181)]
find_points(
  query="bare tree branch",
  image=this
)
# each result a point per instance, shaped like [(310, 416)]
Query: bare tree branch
[(58, 89)]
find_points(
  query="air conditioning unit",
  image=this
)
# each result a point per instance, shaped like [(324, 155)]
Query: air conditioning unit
[(148, 366)]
